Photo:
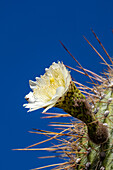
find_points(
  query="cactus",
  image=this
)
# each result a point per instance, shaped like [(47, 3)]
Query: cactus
[(86, 142)]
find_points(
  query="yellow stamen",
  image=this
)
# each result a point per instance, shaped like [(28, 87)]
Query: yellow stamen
[(52, 80)]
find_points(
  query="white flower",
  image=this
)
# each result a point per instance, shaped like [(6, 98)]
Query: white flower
[(47, 89)]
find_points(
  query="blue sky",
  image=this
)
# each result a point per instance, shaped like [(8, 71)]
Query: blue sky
[(29, 42)]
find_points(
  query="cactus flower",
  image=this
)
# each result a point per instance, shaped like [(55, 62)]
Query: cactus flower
[(47, 89)]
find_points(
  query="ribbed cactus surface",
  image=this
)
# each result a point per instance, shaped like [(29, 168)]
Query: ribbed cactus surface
[(100, 157)]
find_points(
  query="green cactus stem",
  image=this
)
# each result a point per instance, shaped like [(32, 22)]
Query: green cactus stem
[(101, 156), (75, 103)]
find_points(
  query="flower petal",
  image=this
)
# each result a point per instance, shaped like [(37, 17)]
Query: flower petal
[(32, 84), (30, 97)]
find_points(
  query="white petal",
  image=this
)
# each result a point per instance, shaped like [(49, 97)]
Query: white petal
[(55, 98), (47, 108), (37, 78), (59, 93), (32, 84), (33, 105), (30, 97)]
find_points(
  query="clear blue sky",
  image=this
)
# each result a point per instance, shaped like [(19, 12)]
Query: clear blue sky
[(30, 31)]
